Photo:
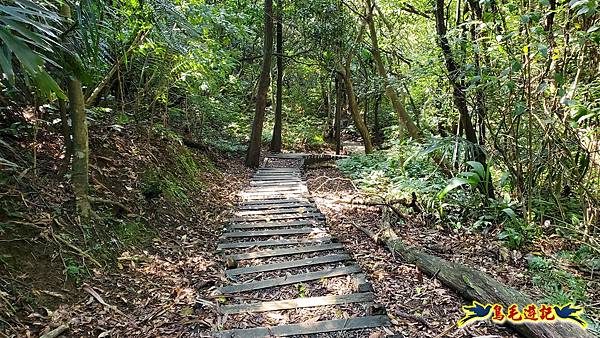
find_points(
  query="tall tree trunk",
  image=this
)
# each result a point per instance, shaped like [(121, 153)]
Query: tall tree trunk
[(345, 71), (79, 144), (338, 114), (390, 92), (276, 139), (353, 105), (79, 174), (253, 154), (459, 95), (66, 131), (376, 124)]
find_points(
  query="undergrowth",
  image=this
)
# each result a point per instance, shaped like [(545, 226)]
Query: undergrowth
[(456, 204)]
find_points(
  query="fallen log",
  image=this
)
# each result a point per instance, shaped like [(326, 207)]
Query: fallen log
[(475, 285)]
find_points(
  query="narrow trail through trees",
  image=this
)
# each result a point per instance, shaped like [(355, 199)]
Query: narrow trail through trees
[(287, 275)]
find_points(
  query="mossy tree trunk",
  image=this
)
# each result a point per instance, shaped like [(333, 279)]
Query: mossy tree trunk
[(475, 285), (253, 153), (78, 146), (354, 111)]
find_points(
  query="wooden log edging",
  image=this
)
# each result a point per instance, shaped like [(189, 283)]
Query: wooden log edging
[(475, 285)]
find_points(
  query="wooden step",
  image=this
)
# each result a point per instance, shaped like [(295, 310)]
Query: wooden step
[(289, 264), (292, 178), (323, 326), (276, 211), (277, 217), (276, 184), (298, 303), (276, 206), (282, 170), (278, 232), (263, 225), (287, 280), (276, 189), (273, 201), (286, 252), (280, 242), (262, 196)]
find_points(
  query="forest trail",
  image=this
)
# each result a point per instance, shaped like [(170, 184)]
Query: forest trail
[(277, 249)]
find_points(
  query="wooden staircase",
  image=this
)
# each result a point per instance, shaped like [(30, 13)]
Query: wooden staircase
[(279, 232)]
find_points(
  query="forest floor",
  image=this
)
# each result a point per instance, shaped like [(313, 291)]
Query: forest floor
[(418, 306), (156, 260), (158, 276)]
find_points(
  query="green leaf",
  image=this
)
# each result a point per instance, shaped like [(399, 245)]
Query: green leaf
[(47, 84), (510, 212), (7, 66), (28, 58), (453, 184), (472, 177), (478, 168)]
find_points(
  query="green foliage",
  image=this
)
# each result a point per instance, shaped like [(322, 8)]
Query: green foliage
[(132, 232), (73, 270), (156, 182), (301, 289), (28, 33), (561, 287), (177, 179)]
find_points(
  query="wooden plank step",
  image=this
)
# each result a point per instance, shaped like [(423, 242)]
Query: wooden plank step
[(279, 170), (323, 326), (276, 211), (297, 177), (286, 252), (263, 225), (296, 174), (276, 206), (287, 280), (275, 201), (278, 232), (289, 264), (276, 183), (278, 178), (280, 242), (299, 303), (273, 194), (299, 188), (262, 196), (293, 156), (277, 217)]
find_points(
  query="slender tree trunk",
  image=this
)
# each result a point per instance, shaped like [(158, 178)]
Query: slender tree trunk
[(253, 154), (376, 124), (326, 103), (459, 95), (66, 131), (354, 111), (338, 114), (79, 144), (366, 113), (79, 174), (276, 140), (390, 92)]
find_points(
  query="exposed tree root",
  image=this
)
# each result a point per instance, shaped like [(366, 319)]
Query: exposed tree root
[(56, 332)]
